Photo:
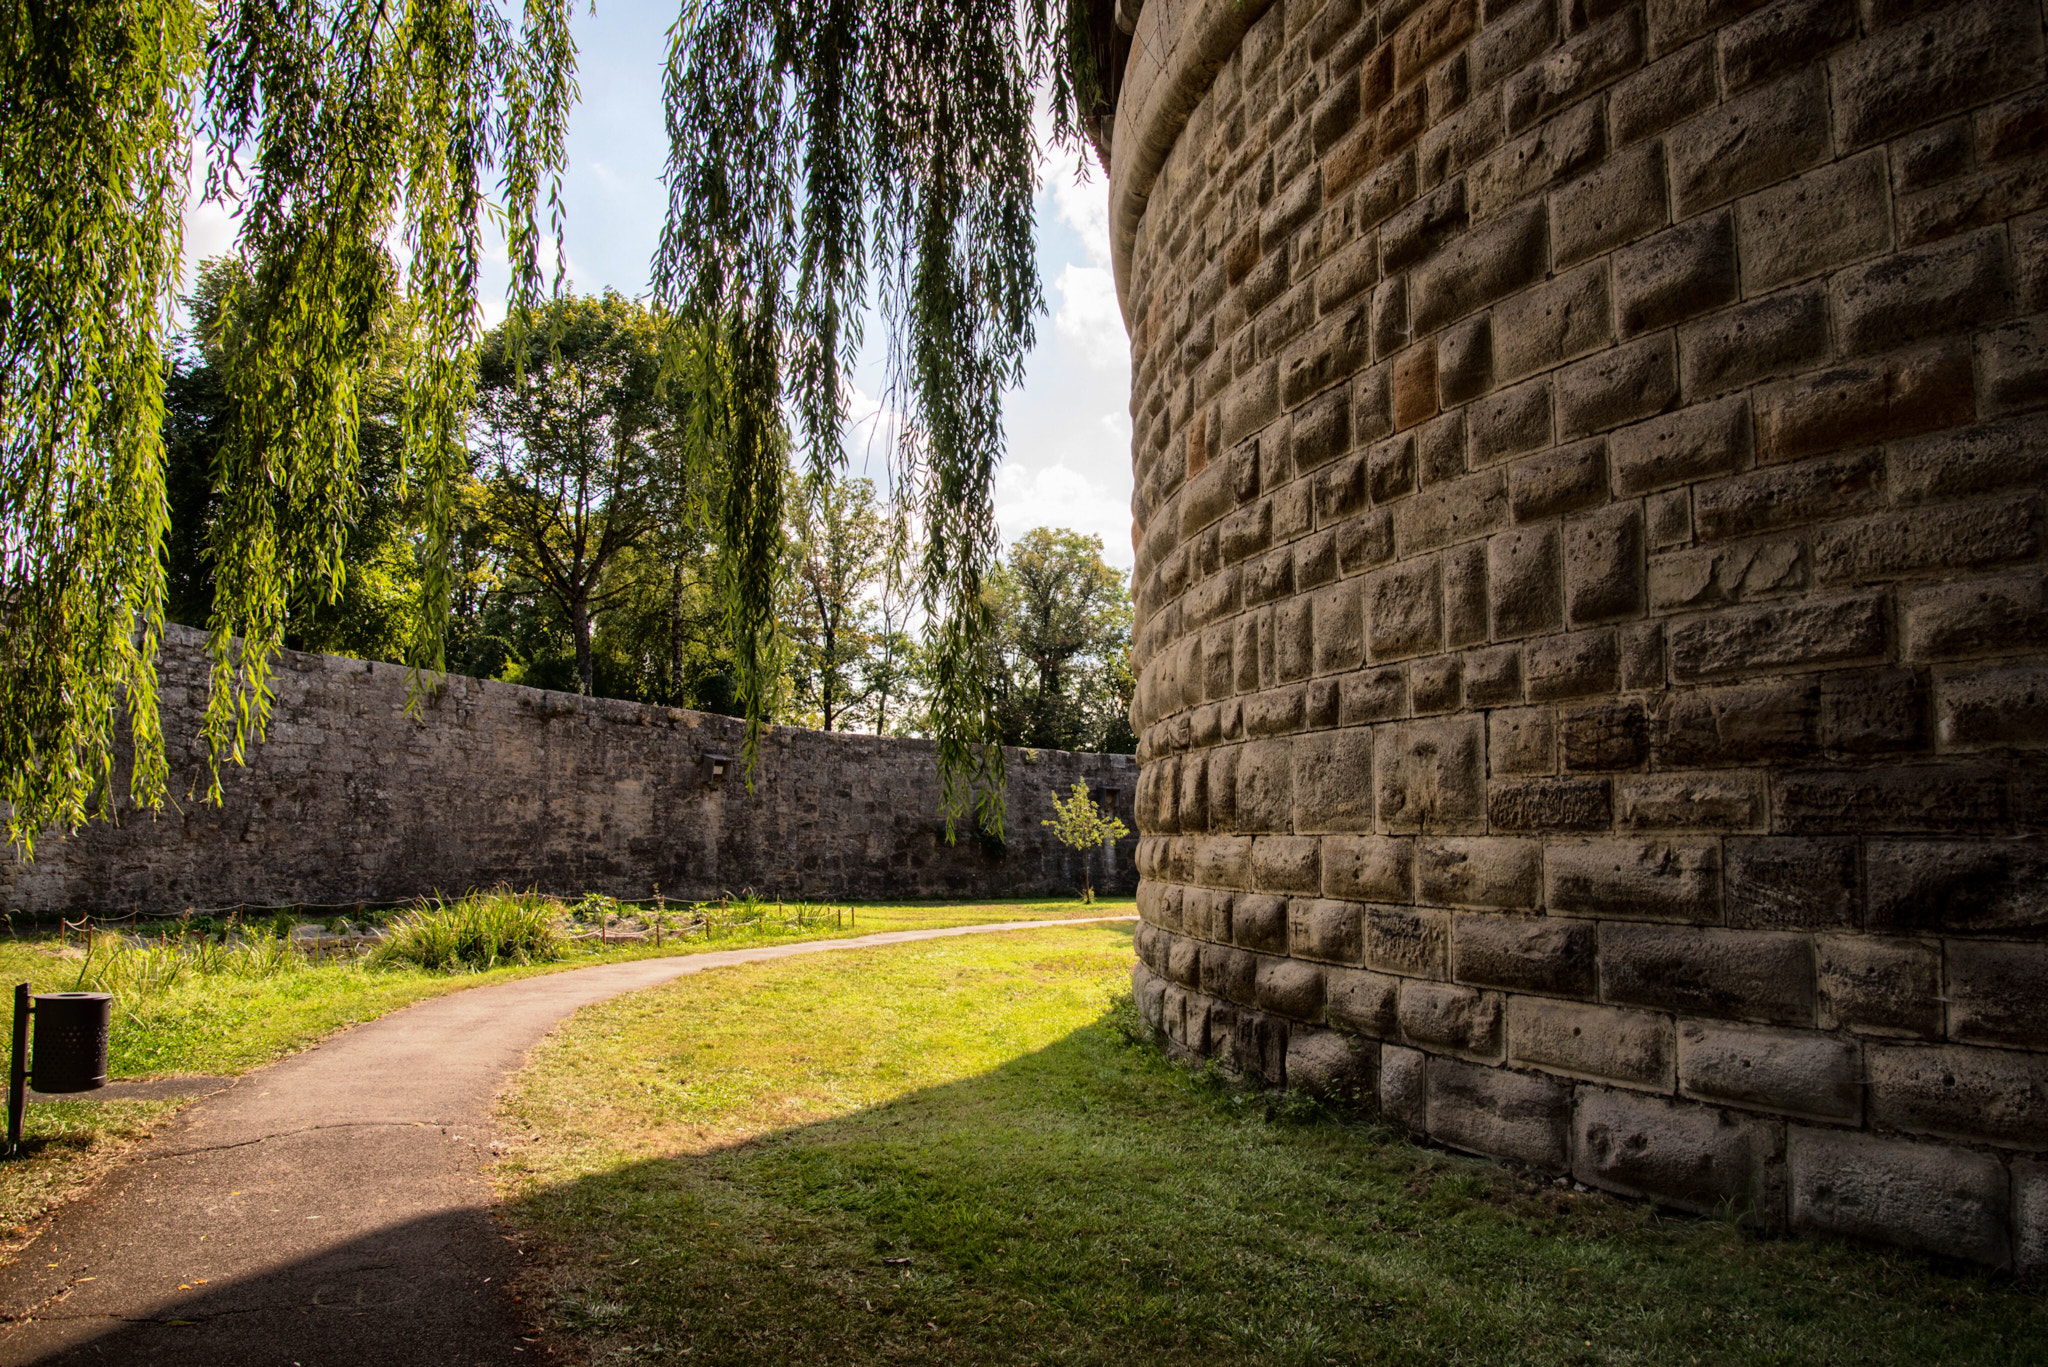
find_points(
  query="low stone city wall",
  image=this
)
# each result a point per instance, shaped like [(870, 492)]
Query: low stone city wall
[(351, 799), (1592, 597)]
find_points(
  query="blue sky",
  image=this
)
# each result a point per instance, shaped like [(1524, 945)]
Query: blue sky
[(1069, 426)]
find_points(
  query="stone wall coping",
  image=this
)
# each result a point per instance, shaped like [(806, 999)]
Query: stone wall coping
[(1175, 54)]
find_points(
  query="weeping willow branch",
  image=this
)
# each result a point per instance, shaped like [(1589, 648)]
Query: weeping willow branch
[(831, 155), (92, 180), (336, 127), (827, 156)]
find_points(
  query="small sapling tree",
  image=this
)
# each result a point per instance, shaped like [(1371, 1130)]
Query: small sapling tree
[(1080, 825)]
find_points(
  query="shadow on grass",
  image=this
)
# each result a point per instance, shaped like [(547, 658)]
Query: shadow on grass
[(1084, 1203), (1091, 1203)]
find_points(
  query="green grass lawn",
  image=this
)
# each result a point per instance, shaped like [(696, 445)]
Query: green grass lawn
[(228, 1025), (954, 1153)]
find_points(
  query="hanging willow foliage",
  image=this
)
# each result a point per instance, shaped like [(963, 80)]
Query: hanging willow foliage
[(825, 155), (829, 154), (92, 177), (336, 127)]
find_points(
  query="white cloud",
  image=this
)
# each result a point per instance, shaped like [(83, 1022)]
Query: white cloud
[(1083, 206), (1088, 316), (1060, 496)]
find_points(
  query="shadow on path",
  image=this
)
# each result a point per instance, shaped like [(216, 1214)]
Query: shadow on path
[(429, 1290), (331, 1208)]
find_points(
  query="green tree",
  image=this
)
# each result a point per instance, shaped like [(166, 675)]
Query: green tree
[(1063, 643), (839, 540), (890, 672), (368, 611), (576, 432), (822, 159), (1080, 825)]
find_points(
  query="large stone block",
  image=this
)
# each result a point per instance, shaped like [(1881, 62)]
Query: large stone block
[(1693, 1157), (1592, 60), (1790, 1072), (1599, 1043), (1550, 954), (1525, 581), (1859, 402), (1332, 781), (1738, 974), (1779, 636), (1620, 201), (1484, 871), (1333, 1065), (1749, 142), (1265, 786), (1558, 321), (2030, 1216), (1675, 274), (1404, 1087), (1976, 616), (1325, 929), (1880, 985), (1998, 993), (1548, 805), (1404, 610), (1779, 334), (1957, 885), (2003, 706), (1290, 987), (1603, 565), (1364, 1001), (1663, 880), (1369, 868), (1832, 216), (1479, 266), (1792, 884), (1564, 480), (1924, 1195), (1698, 801), (1430, 776), (1259, 922), (1446, 1018), (1995, 1096), (1914, 73), (1284, 863), (1499, 1113), (1412, 943), (1620, 385)]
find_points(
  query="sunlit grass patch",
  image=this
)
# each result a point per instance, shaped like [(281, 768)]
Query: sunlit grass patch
[(951, 1152), (219, 996)]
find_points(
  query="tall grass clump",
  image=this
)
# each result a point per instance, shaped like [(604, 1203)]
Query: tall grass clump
[(481, 931), (130, 970)]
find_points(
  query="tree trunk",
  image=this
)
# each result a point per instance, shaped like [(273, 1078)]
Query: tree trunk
[(579, 622), (675, 633), (825, 674)]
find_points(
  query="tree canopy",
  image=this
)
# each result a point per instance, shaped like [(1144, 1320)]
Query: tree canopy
[(585, 450), (1063, 644), (825, 155)]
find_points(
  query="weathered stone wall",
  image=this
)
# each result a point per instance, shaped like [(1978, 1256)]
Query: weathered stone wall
[(1591, 602), (352, 799)]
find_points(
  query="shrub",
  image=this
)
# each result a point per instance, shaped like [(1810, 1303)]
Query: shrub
[(482, 930)]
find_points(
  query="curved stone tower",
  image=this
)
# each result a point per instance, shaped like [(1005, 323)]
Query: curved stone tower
[(1593, 633)]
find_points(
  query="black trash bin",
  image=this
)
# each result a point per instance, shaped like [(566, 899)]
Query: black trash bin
[(70, 1048), (71, 1041)]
